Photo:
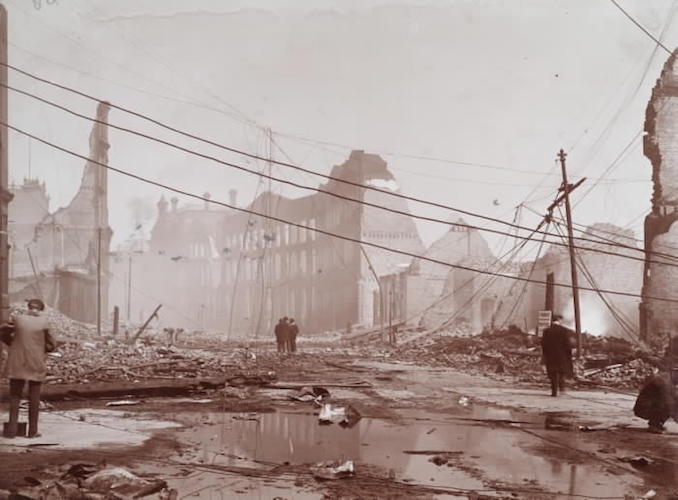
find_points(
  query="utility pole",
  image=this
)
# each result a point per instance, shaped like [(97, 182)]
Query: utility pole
[(5, 194), (381, 291), (99, 281), (573, 263), (129, 289)]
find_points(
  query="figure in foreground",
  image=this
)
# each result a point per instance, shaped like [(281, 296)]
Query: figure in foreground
[(557, 354), (29, 343)]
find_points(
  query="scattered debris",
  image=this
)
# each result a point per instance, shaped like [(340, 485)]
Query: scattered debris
[(333, 470), (346, 416), (252, 416), (124, 402), (123, 482), (307, 394), (607, 361), (601, 427), (638, 461), (84, 481)]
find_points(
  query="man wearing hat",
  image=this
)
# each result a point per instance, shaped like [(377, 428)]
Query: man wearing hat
[(557, 354), (29, 344)]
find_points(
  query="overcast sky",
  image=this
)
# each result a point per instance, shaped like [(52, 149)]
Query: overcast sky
[(492, 89)]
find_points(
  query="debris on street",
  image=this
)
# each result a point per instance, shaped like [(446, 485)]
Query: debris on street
[(333, 470)]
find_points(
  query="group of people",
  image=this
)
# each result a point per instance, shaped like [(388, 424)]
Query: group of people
[(286, 331), (173, 334), (29, 339), (658, 398)]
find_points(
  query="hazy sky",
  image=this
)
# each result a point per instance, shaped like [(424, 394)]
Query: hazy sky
[(493, 88)]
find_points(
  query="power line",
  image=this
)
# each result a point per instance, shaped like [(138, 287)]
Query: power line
[(520, 297), (231, 149), (589, 276), (658, 42), (302, 226), (331, 193), (254, 156), (614, 163)]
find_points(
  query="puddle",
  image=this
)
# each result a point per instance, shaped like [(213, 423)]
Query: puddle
[(477, 452)]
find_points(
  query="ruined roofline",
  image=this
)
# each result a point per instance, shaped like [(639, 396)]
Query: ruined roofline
[(666, 86)]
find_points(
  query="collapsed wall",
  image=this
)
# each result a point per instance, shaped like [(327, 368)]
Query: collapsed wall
[(657, 317)]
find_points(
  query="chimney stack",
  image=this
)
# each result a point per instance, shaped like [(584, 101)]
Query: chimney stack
[(207, 197), (175, 202), (233, 197)]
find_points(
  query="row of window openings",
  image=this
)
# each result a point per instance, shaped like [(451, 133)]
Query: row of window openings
[(249, 268), (274, 237), (388, 236)]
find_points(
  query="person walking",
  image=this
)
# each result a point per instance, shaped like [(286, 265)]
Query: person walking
[(293, 331), (557, 354), (30, 342)]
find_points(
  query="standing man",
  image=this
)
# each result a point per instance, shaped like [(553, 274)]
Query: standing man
[(280, 333), (29, 345), (293, 330), (557, 354)]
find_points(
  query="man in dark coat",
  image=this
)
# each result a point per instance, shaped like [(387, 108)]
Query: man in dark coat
[(293, 332), (656, 402), (280, 331), (557, 354)]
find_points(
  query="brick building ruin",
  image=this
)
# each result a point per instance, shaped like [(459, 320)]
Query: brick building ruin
[(55, 255), (661, 234), (238, 273)]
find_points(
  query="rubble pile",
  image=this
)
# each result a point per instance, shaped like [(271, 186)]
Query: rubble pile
[(607, 361), (82, 361)]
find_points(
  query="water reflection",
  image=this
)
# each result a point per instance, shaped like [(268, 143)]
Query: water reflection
[(500, 452)]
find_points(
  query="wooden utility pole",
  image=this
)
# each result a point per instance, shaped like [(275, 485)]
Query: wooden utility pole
[(5, 195), (116, 319), (129, 290), (99, 281), (38, 288), (573, 262), (381, 291)]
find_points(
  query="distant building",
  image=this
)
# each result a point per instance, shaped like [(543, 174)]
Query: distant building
[(435, 296), (57, 255), (238, 273)]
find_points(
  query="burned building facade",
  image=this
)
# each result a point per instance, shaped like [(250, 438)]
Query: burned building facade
[(657, 317), (63, 256), (236, 273), (275, 269)]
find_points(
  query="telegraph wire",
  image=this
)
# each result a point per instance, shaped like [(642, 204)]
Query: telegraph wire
[(521, 296), (621, 321), (620, 157), (642, 28), (251, 155), (110, 273), (230, 149), (330, 193), (498, 265), (302, 226)]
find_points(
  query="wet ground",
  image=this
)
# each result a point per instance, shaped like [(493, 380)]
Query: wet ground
[(422, 434)]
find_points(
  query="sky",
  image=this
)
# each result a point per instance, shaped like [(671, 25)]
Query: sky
[(468, 101)]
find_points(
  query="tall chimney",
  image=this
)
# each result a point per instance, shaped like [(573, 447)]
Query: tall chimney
[(233, 197), (207, 197)]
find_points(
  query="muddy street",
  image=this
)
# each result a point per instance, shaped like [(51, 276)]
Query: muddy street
[(415, 432)]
